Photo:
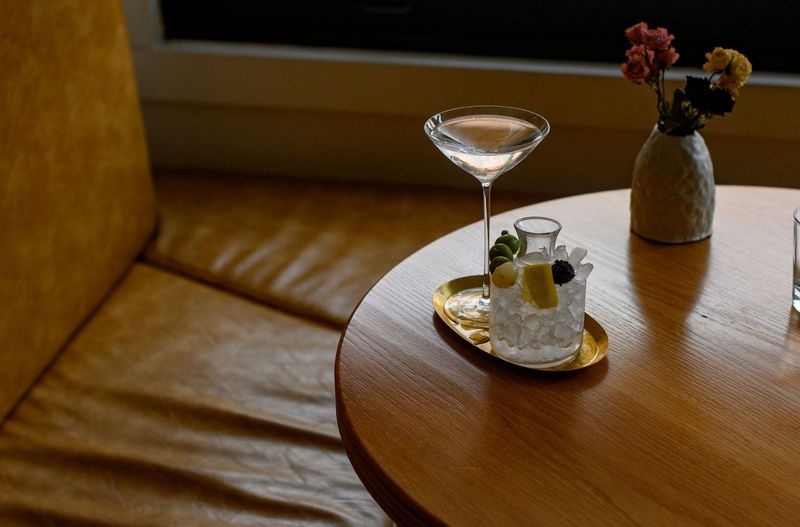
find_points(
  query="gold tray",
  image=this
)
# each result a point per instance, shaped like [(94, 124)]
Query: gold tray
[(593, 349)]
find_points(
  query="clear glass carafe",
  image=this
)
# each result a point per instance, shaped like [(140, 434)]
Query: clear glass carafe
[(529, 325)]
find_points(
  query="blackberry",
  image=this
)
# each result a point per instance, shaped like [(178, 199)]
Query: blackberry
[(563, 272)]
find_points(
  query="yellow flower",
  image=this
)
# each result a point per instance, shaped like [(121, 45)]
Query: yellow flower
[(729, 84), (736, 73), (718, 60), (740, 68)]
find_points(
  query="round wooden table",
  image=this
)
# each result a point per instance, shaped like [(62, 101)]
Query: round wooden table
[(693, 419)]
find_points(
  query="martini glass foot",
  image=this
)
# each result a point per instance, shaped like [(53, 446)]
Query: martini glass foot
[(469, 308)]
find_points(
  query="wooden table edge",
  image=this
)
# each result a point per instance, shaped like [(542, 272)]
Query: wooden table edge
[(396, 503)]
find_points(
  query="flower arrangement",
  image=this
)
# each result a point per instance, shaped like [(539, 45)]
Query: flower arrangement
[(652, 53)]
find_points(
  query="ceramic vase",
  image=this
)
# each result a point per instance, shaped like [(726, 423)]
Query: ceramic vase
[(672, 192)]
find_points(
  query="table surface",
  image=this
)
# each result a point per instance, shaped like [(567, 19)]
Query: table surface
[(693, 419)]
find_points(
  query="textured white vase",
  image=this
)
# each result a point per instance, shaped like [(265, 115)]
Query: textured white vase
[(672, 192)]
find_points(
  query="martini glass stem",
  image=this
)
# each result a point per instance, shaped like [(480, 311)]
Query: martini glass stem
[(487, 205)]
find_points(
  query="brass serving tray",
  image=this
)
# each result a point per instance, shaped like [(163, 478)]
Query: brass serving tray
[(593, 350)]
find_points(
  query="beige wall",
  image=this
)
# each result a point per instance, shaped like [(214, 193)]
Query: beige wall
[(350, 114), (335, 145), (362, 119)]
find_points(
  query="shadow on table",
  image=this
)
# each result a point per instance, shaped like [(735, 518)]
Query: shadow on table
[(667, 281), (522, 412)]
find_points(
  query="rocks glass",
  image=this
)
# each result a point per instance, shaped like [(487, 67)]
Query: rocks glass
[(537, 321), (796, 285)]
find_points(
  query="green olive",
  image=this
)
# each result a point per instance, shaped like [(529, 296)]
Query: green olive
[(496, 262), (510, 241), (505, 275), (501, 249)]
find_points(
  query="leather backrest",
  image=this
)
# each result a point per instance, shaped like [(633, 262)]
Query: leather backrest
[(76, 203)]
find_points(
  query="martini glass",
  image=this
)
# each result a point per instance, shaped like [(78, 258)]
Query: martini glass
[(484, 141)]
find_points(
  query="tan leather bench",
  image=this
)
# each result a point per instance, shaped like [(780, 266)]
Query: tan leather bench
[(179, 371)]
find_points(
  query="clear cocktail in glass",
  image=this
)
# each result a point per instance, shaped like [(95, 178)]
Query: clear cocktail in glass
[(486, 142)]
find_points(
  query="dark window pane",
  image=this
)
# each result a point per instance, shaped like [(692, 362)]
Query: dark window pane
[(546, 29)]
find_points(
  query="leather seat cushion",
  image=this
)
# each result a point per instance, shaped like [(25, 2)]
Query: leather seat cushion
[(180, 404), (313, 248)]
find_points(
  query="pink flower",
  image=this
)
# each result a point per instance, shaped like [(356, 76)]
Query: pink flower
[(635, 71), (636, 33), (639, 53), (666, 58), (658, 38), (638, 68)]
